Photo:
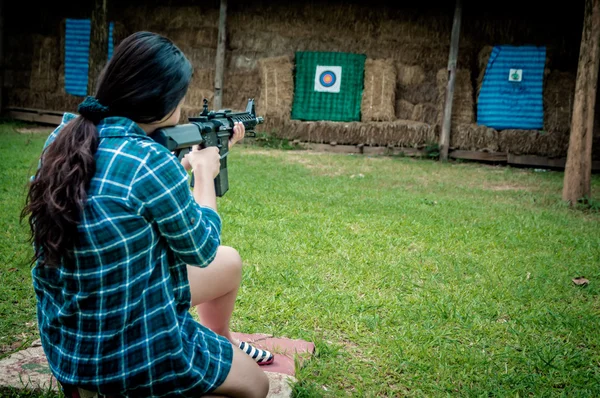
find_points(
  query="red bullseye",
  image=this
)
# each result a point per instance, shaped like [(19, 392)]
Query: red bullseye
[(327, 79)]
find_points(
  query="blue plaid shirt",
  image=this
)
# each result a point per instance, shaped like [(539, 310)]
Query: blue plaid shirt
[(118, 321)]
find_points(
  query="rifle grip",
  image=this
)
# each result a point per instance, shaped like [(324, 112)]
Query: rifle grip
[(222, 183)]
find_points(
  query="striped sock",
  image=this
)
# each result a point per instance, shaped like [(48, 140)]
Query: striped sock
[(262, 357)]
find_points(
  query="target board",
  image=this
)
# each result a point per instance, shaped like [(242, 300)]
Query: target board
[(328, 79)]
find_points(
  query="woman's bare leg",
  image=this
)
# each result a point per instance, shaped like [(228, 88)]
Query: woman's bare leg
[(214, 290), (245, 379)]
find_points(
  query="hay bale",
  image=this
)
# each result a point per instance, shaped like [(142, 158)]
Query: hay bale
[(409, 75), (150, 17), (276, 87), (120, 32), (553, 144), (415, 86), (17, 78), (533, 142), (413, 27), (402, 133), (559, 91), (482, 61), (187, 112), (203, 79), (239, 87), (62, 102), (483, 57), (243, 60), (256, 40), (202, 37), (201, 58), (20, 48), (429, 56), (463, 108), (404, 109), (379, 94), (195, 97), (474, 137), (35, 99), (45, 64), (426, 113), (420, 93), (17, 97), (518, 142)]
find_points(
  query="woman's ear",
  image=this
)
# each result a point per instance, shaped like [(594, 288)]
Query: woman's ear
[(173, 119), (170, 120)]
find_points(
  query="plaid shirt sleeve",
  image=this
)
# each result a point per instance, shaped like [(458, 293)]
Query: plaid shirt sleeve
[(161, 186)]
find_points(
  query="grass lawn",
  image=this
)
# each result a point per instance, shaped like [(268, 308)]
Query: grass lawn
[(413, 278)]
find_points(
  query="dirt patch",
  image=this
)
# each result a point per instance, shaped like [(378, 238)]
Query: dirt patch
[(34, 130), (9, 348), (506, 187)]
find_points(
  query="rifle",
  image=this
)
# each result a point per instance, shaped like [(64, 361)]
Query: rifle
[(209, 129)]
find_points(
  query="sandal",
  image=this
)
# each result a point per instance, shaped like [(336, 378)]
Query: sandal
[(262, 357)]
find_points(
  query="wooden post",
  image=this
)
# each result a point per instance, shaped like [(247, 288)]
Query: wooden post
[(447, 118), (98, 44), (220, 62), (578, 170), (1, 55)]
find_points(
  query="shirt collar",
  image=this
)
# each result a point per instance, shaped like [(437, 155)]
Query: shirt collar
[(114, 126), (118, 126)]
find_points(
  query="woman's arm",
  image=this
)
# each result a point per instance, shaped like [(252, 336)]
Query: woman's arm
[(161, 190)]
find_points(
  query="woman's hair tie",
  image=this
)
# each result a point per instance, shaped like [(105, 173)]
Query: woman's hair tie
[(92, 110)]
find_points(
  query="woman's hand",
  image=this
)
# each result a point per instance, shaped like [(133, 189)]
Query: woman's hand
[(185, 163), (238, 133), (204, 162)]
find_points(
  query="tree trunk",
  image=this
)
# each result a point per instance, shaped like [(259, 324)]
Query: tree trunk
[(578, 170), (447, 117), (220, 62), (1, 55), (98, 44)]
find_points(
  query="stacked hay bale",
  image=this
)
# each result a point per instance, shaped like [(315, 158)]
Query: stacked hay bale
[(414, 42), (559, 90), (416, 94), (400, 133), (240, 85), (45, 64), (194, 29), (275, 103), (27, 78), (379, 92), (482, 61), (35, 75), (17, 77), (466, 134), (463, 107), (276, 90), (474, 137)]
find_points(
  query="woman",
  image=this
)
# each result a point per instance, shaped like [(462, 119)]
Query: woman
[(123, 247)]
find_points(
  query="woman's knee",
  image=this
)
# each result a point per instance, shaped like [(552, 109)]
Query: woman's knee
[(262, 388), (232, 258), (245, 379)]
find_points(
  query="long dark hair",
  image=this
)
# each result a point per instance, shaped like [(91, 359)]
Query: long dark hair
[(144, 81)]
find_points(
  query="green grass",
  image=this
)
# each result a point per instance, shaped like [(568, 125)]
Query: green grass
[(413, 278)]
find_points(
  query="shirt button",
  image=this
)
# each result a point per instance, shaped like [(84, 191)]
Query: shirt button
[(193, 220)]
